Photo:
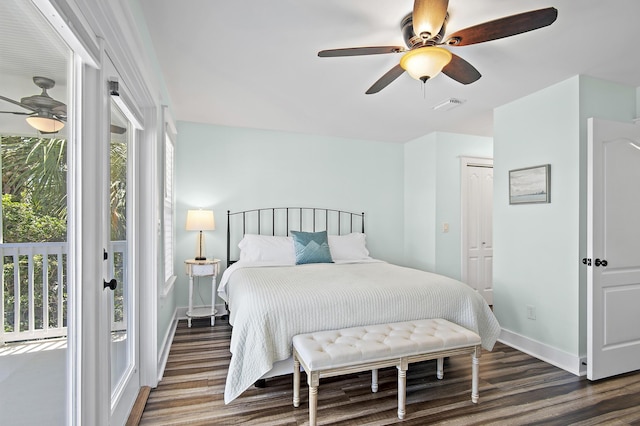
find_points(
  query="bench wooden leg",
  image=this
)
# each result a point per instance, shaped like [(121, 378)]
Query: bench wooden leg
[(402, 387), (313, 405), (374, 380), (313, 378), (296, 382), (475, 366), (440, 368)]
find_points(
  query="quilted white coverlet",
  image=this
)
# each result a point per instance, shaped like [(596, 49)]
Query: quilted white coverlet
[(271, 304)]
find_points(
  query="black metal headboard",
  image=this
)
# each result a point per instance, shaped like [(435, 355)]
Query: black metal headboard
[(280, 220)]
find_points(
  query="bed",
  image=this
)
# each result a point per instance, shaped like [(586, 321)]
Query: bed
[(281, 283)]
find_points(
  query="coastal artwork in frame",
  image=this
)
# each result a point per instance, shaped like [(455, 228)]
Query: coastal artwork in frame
[(530, 185)]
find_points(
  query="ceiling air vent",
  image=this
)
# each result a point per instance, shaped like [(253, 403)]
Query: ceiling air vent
[(448, 104)]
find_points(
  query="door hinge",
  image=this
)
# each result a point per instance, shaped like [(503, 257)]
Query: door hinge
[(586, 261)]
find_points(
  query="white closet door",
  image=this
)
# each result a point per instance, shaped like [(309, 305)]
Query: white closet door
[(478, 227)]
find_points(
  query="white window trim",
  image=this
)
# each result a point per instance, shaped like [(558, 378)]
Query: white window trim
[(168, 201)]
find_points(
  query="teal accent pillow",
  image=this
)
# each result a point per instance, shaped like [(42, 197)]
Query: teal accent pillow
[(311, 247)]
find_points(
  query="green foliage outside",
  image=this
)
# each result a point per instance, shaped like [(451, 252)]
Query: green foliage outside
[(22, 224), (34, 209), (34, 171), (34, 198)]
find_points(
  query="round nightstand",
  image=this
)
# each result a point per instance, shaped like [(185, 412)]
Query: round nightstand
[(202, 268)]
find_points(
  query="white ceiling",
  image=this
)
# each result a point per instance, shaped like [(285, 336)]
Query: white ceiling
[(253, 63)]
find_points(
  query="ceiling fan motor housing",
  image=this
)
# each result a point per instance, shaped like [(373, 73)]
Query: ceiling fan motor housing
[(412, 40), (42, 102)]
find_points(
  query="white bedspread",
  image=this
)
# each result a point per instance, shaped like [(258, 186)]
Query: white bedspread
[(270, 305)]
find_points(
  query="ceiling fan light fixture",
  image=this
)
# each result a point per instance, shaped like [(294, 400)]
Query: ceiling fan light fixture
[(45, 124), (425, 62)]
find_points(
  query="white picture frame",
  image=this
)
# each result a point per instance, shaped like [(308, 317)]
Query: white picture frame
[(530, 185)]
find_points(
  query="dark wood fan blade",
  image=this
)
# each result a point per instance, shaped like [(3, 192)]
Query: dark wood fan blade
[(17, 103), (504, 27), (386, 79), (461, 70), (358, 51), (16, 113)]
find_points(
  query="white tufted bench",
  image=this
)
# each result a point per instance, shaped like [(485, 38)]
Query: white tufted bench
[(351, 350)]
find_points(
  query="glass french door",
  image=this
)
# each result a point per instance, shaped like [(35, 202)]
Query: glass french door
[(119, 256)]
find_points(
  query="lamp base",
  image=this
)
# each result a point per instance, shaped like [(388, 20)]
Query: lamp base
[(200, 258)]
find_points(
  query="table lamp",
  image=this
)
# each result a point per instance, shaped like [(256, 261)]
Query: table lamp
[(200, 220)]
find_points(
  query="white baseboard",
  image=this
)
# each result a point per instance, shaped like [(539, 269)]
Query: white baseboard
[(166, 345), (554, 356)]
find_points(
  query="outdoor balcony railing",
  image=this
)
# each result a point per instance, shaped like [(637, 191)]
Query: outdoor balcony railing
[(33, 296)]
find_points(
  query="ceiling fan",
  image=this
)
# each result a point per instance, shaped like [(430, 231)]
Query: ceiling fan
[(424, 32), (46, 114)]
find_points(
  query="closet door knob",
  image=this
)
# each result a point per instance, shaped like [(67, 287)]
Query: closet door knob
[(602, 262)]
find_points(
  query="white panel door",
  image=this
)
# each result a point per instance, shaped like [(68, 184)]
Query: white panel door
[(478, 228), (613, 249)]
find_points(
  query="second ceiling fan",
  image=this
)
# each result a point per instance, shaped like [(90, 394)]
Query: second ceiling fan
[(44, 113), (424, 32)]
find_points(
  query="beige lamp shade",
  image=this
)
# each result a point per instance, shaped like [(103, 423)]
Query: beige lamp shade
[(424, 63), (200, 220)]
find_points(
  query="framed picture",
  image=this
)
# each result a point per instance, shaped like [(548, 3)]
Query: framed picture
[(530, 185)]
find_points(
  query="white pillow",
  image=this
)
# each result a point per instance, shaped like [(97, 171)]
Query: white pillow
[(348, 247), (267, 248)]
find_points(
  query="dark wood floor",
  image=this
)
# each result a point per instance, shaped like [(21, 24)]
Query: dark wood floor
[(515, 389)]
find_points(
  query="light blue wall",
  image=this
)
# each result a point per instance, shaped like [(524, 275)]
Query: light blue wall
[(432, 197), (225, 168), (537, 247), (419, 202)]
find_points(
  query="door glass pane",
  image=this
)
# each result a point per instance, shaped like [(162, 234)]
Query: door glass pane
[(35, 284), (120, 309)]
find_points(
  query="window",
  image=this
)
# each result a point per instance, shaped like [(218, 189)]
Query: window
[(169, 233)]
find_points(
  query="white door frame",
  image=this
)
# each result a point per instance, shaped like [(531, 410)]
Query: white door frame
[(78, 26), (465, 162)]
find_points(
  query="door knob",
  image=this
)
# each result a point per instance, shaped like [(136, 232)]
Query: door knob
[(602, 262), (111, 284)]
